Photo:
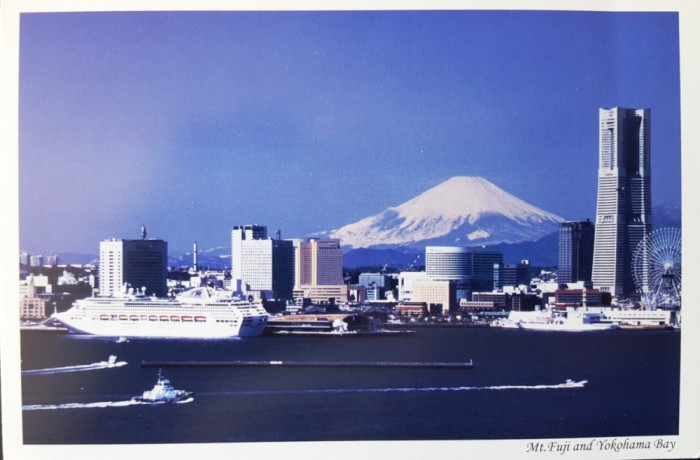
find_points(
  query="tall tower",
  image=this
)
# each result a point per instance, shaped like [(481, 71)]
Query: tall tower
[(575, 251), (623, 215)]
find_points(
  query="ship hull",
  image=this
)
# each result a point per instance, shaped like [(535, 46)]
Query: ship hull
[(568, 327)]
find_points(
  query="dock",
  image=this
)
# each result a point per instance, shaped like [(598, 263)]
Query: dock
[(380, 364)]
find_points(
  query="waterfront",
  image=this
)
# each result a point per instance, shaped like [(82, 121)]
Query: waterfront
[(514, 391)]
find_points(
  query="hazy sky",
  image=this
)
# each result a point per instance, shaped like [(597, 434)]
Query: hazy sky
[(192, 122)]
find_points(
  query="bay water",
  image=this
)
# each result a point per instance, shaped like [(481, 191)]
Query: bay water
[(517, 388)]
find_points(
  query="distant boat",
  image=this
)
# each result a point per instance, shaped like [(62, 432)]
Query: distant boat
[(110, 363), (163, 392), (570, 321)]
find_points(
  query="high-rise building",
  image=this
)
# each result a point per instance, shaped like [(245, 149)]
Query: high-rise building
[(469, 269), (484, 269), (261, 266), (512, 275), (138, 263), (318, 273), (450, 263), (267, 268), (623, 213), (575, 251), (319, 262), (239, 234)]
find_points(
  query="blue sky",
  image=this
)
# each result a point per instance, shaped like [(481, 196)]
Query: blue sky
[(192, 122)]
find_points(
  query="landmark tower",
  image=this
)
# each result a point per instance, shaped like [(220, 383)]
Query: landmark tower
[(623, 213)]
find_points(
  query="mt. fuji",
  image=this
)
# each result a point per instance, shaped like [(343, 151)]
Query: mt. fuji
[(462, 211)]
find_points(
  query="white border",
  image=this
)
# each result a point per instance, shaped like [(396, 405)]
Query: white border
[(688, 445)]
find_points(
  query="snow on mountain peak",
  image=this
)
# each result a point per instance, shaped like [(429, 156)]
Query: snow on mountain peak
[(461, 208)]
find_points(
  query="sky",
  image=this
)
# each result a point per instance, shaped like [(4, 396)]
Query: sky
[(192, 122)]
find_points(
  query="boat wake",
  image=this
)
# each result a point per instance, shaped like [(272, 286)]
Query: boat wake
[(95, 405), (131, 402), (110, 363), (566, 385)]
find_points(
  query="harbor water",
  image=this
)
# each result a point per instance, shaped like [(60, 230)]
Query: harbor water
[(516, 389)]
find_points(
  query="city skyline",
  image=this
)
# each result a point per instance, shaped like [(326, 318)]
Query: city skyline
[(191, 122)]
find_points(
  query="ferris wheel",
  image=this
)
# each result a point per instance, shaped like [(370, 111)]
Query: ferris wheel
[(657, 267)]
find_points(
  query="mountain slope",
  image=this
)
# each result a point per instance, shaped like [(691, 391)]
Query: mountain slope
[(465, 211)]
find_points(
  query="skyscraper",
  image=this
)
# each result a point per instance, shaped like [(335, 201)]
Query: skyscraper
[(267, 268), (261, 266), (319, 270), (139, 263), (575, 251), (623, 213), (239, 234), (318, 262)]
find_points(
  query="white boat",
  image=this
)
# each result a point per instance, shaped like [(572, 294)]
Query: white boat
[(110, 363), (569, 321), (163, 392), (198, 313)]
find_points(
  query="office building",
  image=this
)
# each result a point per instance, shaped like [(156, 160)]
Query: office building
[(575, 251), (318, 271), (140, 264), (31, 306), (439, 296), (318, 262), (406, 280), (512, 275), (239, 234), (450, 263), (623, 215), (266, 268), (484, 268)]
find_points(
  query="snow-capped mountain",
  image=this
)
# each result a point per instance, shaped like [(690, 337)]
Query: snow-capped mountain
[(462, 211)]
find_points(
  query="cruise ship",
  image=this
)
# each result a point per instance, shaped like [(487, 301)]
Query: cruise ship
[(198, 313)]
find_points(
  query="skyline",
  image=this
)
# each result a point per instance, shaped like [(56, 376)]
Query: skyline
[(193, 122)]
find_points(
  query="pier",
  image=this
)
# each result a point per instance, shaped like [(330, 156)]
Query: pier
[(387, 364)]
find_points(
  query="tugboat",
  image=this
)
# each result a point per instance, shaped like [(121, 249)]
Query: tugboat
[(163, 392)]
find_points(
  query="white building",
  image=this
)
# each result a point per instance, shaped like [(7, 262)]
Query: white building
[(261, 267), (239, 234), (405, 284)]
